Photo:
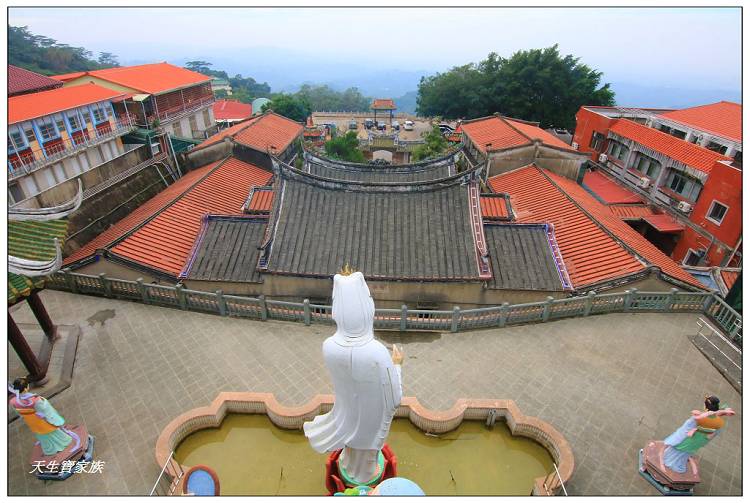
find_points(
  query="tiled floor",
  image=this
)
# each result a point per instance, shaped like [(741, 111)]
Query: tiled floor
[(608, 383)]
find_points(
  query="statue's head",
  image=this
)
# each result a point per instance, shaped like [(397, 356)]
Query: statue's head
[(712, 403), (21, 384), (353, 308)]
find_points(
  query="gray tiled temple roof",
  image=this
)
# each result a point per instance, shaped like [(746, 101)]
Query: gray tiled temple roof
[(347, 171), (227, 250), (521, 258), (418, 231)]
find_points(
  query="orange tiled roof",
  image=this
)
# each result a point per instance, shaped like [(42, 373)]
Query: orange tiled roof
[(723, 118), (608, 190), (383, 104), (687, 153), (261, 200), (31, 106), (634, 240), (232, 110), (537, 133), (139, 215), (153, 78), (165, 242), (664, 223), (494, 206), (269, 130), (729, 277), (501, 133), (630, 211), (591, 254)]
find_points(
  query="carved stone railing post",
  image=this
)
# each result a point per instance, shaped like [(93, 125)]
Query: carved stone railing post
[(455, 318), (404, 314), (589, 303), (547, 308), (221, 301), (306, 306), (107, 284), (263, 307)]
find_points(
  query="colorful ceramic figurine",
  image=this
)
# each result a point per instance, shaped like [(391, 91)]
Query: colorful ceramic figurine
[(669, 465), (41, 418), (694, 434), (367, 385), (58, 446)]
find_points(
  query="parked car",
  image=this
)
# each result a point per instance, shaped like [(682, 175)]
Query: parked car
[(369, 123), (381, 126), (445, 128), (408, 125), (395, 125), (352, 124)]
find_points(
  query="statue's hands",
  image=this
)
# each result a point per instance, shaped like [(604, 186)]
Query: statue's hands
[(396, 355)]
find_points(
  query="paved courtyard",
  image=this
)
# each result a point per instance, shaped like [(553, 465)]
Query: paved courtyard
[(608, 383)]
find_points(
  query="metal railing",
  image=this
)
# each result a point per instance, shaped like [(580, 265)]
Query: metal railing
[(550, 480), (404, 319), (167, 483), (723, 353), (41, 157), (178, 111)]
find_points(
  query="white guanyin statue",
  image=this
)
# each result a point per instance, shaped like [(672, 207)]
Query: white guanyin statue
[(366, 381)]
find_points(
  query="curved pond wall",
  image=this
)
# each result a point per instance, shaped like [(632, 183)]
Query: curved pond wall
[(426, 420)]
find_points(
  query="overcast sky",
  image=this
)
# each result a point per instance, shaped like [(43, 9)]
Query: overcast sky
[(689, 47)]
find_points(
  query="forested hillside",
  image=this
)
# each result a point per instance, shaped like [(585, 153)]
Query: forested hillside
[(49, 57)]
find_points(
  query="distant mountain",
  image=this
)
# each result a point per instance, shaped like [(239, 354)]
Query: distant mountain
[(407, 103)]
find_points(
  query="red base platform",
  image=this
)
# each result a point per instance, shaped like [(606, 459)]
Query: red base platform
[(334, 482), (653, 457)]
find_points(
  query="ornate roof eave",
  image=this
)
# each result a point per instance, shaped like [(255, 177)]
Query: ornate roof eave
[(32, 268), (49, 213)]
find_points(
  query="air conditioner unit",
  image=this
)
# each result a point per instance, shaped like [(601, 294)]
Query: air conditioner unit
[(684, 206), (644, 182), (602, 157), (574, 145)]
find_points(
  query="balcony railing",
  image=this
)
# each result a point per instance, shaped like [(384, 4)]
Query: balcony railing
[(23, 162), (178, 111)]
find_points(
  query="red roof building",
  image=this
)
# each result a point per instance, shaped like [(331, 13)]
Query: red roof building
[(723, 119), (596, 246), (267, 132), (501, 133), (383, 104), (688, 173), (231, 111), (160, 234), (22, 81), (153, 78), (177, 99), (31, 106)]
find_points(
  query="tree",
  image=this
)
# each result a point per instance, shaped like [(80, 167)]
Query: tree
[(435, 145), (345, 148), (324, 98), (290, 106), (199, 66), (45, 55), (107, 59), (537, 84)]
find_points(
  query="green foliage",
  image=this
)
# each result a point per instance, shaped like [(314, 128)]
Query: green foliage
[(435, 145), (323, 98), (221, 93), (247, 89), (290, 106), (199, 66), (538, 85), (107, 59), (345, 148), (46, 56)]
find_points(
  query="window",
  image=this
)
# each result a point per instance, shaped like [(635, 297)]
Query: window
[(716, 212), (47, 128), (716, 147), (75, 122), (596, 141), (15, 139), (60, 125), (30, 135), (618, 150), (692, 257), (99, 115), (177, 128), (15, 193), (193, 123), (206, 119), (87, 117), (683, 185), (646, 165)]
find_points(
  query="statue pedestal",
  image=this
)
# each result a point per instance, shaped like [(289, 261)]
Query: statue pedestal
[(666, 481), (84, 452), (338, 482)]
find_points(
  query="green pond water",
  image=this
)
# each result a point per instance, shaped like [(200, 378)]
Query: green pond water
[(252, 456)]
